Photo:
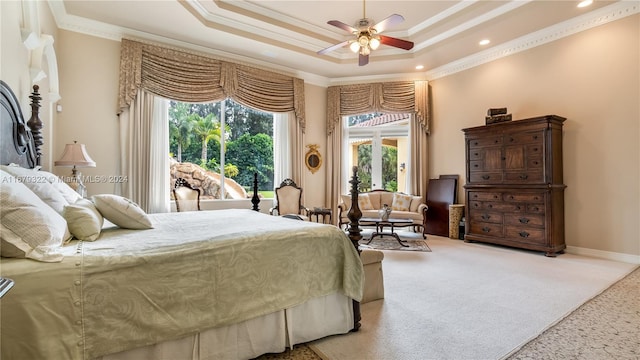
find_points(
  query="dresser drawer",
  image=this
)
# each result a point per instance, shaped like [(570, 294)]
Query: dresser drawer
[(524, 220), (485, 177), (525, 137), (537, 198), (535, 208), (524, 176), (486, 216), (525, 234), (487, 229), (484, 195), (485, 141), (497, 206)]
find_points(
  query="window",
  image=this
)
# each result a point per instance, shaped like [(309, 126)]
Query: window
[(220, 146), (379, 145)]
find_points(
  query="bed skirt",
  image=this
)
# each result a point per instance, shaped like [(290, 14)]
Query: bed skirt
[(271, 333)]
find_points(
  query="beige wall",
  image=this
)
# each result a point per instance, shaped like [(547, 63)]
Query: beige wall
[(89, 69), (591, 78)]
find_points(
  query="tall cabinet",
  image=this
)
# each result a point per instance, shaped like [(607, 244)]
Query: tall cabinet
[(514, 190)]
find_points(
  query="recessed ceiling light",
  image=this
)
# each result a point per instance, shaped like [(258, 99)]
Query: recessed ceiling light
[(585, 3), (484, 42), (419, 67)]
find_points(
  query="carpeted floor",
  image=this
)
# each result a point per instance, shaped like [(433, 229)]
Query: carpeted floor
[(606, 327)]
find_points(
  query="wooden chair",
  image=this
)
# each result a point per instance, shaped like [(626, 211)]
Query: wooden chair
[(187, 197), (289, 200)]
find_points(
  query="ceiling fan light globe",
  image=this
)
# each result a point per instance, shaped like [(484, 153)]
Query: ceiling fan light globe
[(363, 41), (365, 50), (374, 43), (355, 46)]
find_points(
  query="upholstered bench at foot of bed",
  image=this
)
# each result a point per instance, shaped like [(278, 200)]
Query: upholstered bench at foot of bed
[(373, 279)]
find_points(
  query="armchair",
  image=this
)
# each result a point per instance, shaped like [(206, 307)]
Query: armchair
[(187, 198), (289, 200)]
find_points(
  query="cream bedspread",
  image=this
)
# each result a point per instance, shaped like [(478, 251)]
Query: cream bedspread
[(193, 271)]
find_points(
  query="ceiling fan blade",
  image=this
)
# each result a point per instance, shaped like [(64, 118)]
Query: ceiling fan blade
[(391, 20), (342, 26), (333, 47), (395, 42), (363, 60)]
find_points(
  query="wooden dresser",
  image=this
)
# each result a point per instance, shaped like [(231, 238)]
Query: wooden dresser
[(514, 190)]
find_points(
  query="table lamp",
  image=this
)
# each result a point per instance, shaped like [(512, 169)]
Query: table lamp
[(76, 155)]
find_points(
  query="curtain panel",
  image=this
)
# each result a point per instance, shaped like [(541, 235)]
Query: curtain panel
[(408, 97), (188, 77)]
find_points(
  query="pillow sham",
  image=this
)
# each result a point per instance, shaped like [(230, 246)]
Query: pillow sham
[(39, 183), (84, 220), (122, 211), (65, 190), (29, 228), (401, 202)]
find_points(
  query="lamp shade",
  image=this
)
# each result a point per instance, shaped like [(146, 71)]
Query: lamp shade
[(75, 155)]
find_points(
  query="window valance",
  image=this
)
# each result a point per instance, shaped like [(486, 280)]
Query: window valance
[(391, 97), (189, 77)]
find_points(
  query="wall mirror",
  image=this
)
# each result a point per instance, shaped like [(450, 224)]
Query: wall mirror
[(313, 159)]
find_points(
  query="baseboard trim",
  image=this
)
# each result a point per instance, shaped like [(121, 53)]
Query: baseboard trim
[(622, 257)]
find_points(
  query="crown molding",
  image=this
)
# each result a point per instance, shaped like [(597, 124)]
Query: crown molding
[(573, 26), (578, 24)]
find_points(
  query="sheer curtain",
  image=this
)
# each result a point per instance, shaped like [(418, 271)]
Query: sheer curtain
[(144, 152), (282, 153)]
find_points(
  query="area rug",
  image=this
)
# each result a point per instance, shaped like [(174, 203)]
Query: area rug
[(390, 243)]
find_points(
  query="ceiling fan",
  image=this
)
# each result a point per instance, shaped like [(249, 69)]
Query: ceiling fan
[(368, 36)]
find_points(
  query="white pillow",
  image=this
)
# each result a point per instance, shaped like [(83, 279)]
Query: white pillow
[(415, 203), (29, 228), (40, 184), (65, 190), (401, 202), (84, 220), (122, 211)]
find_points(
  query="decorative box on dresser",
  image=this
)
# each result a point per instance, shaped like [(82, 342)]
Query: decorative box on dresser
[(514, 190)]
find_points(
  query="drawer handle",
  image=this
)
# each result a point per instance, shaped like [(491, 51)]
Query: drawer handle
[(485, 217), (486, 177), (535, 198), (511, 139), (535, 163), (476, 205), (490, 206), (511, 197), (524, 234), (495, 196), (475, 165), (518, 207), (475, 154), (535, 137), (524, 177), (535, 149), (486, 229), (524, 220), (536, 208), (475, 143), (497, 141)]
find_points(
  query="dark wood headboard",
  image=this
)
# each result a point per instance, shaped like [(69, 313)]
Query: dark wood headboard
[(20, 140)]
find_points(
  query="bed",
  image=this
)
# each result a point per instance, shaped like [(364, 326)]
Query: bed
[(200, 285)]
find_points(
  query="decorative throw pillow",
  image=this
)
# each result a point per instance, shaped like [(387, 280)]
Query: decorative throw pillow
[(39, 184), (401, 202), (415, 203), (122, 211), (364, 203), (84, 220), (30, 228)]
